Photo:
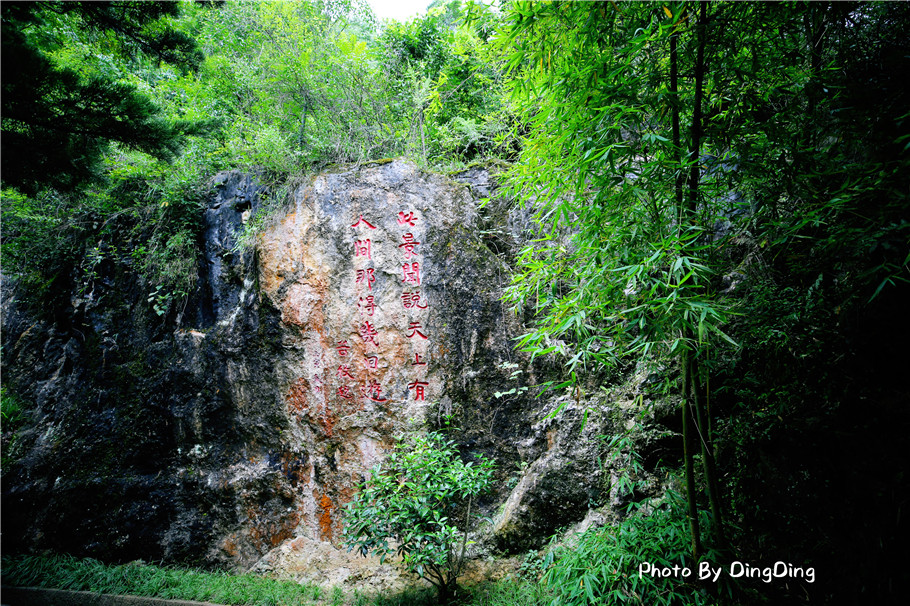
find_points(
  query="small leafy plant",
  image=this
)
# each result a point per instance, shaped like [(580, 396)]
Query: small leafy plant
[(407, 506), (603, 567), (12, 417)]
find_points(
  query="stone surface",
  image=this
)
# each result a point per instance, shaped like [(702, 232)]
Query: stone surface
[(233, 430)]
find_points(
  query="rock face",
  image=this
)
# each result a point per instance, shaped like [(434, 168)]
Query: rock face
[(387, 305), (241, 426)]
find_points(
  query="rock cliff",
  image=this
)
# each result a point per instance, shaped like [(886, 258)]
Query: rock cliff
[(235, 431)]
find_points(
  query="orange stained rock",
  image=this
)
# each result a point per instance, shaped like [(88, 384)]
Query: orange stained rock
[(327, 418), (284, 256), (266, 533), (325, 518), (297, 398), (229, 546), (303, 302), (298, 406)]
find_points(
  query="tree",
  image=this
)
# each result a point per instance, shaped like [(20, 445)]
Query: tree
[(59, 119), (623, 265), (663, 137), (409, 500), (442, 68), (299, 86)]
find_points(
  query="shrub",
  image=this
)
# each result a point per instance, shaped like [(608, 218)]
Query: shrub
[(405, 507)]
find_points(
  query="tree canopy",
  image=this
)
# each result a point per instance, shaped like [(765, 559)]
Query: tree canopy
[(61, 110)]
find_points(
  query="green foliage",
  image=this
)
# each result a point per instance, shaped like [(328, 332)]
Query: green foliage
[(793, 201), (515, 376), (56, 242), (282, 87), (295, 84), (141, 211), (442, 65), (13, 415), (136, 578), (508, 592), (66, 572), (602, 567), (40, 239), (625, 459), (827, 180), (171, 267), (407, 507), (682, 165), (612, 272), (418, 44), (60, 114), (11, 410), (626, 202), (505, 592)]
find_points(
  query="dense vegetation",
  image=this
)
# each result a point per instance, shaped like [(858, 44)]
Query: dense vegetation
[(720, 189)]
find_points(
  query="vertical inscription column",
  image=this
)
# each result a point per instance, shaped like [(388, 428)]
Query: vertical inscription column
[(414, 305), (370, 389)]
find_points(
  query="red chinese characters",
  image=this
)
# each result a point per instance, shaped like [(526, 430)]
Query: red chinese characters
[(411, 273), (366, 276), (414, 330), (418, 387), (373, 391), (362, 221), (350, 366), (407, 218), (367, 305), (362, 248), (409, 245), (368, 333), (411, 300)]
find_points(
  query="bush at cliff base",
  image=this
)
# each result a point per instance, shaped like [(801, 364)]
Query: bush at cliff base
[(410, 500)]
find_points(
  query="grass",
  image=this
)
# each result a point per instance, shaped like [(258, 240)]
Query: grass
[(12, 417), (67, 572)]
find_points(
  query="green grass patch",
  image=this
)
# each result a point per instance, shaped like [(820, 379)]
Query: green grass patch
[(505, 592), (12, 410), (67, 572), (12, 418)]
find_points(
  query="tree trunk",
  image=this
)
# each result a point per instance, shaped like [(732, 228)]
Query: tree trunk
[(301, 136), (707, 458), (695, 131), (702, 423), (446, 593), (688, 454), (688, 457), (677, 145)]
